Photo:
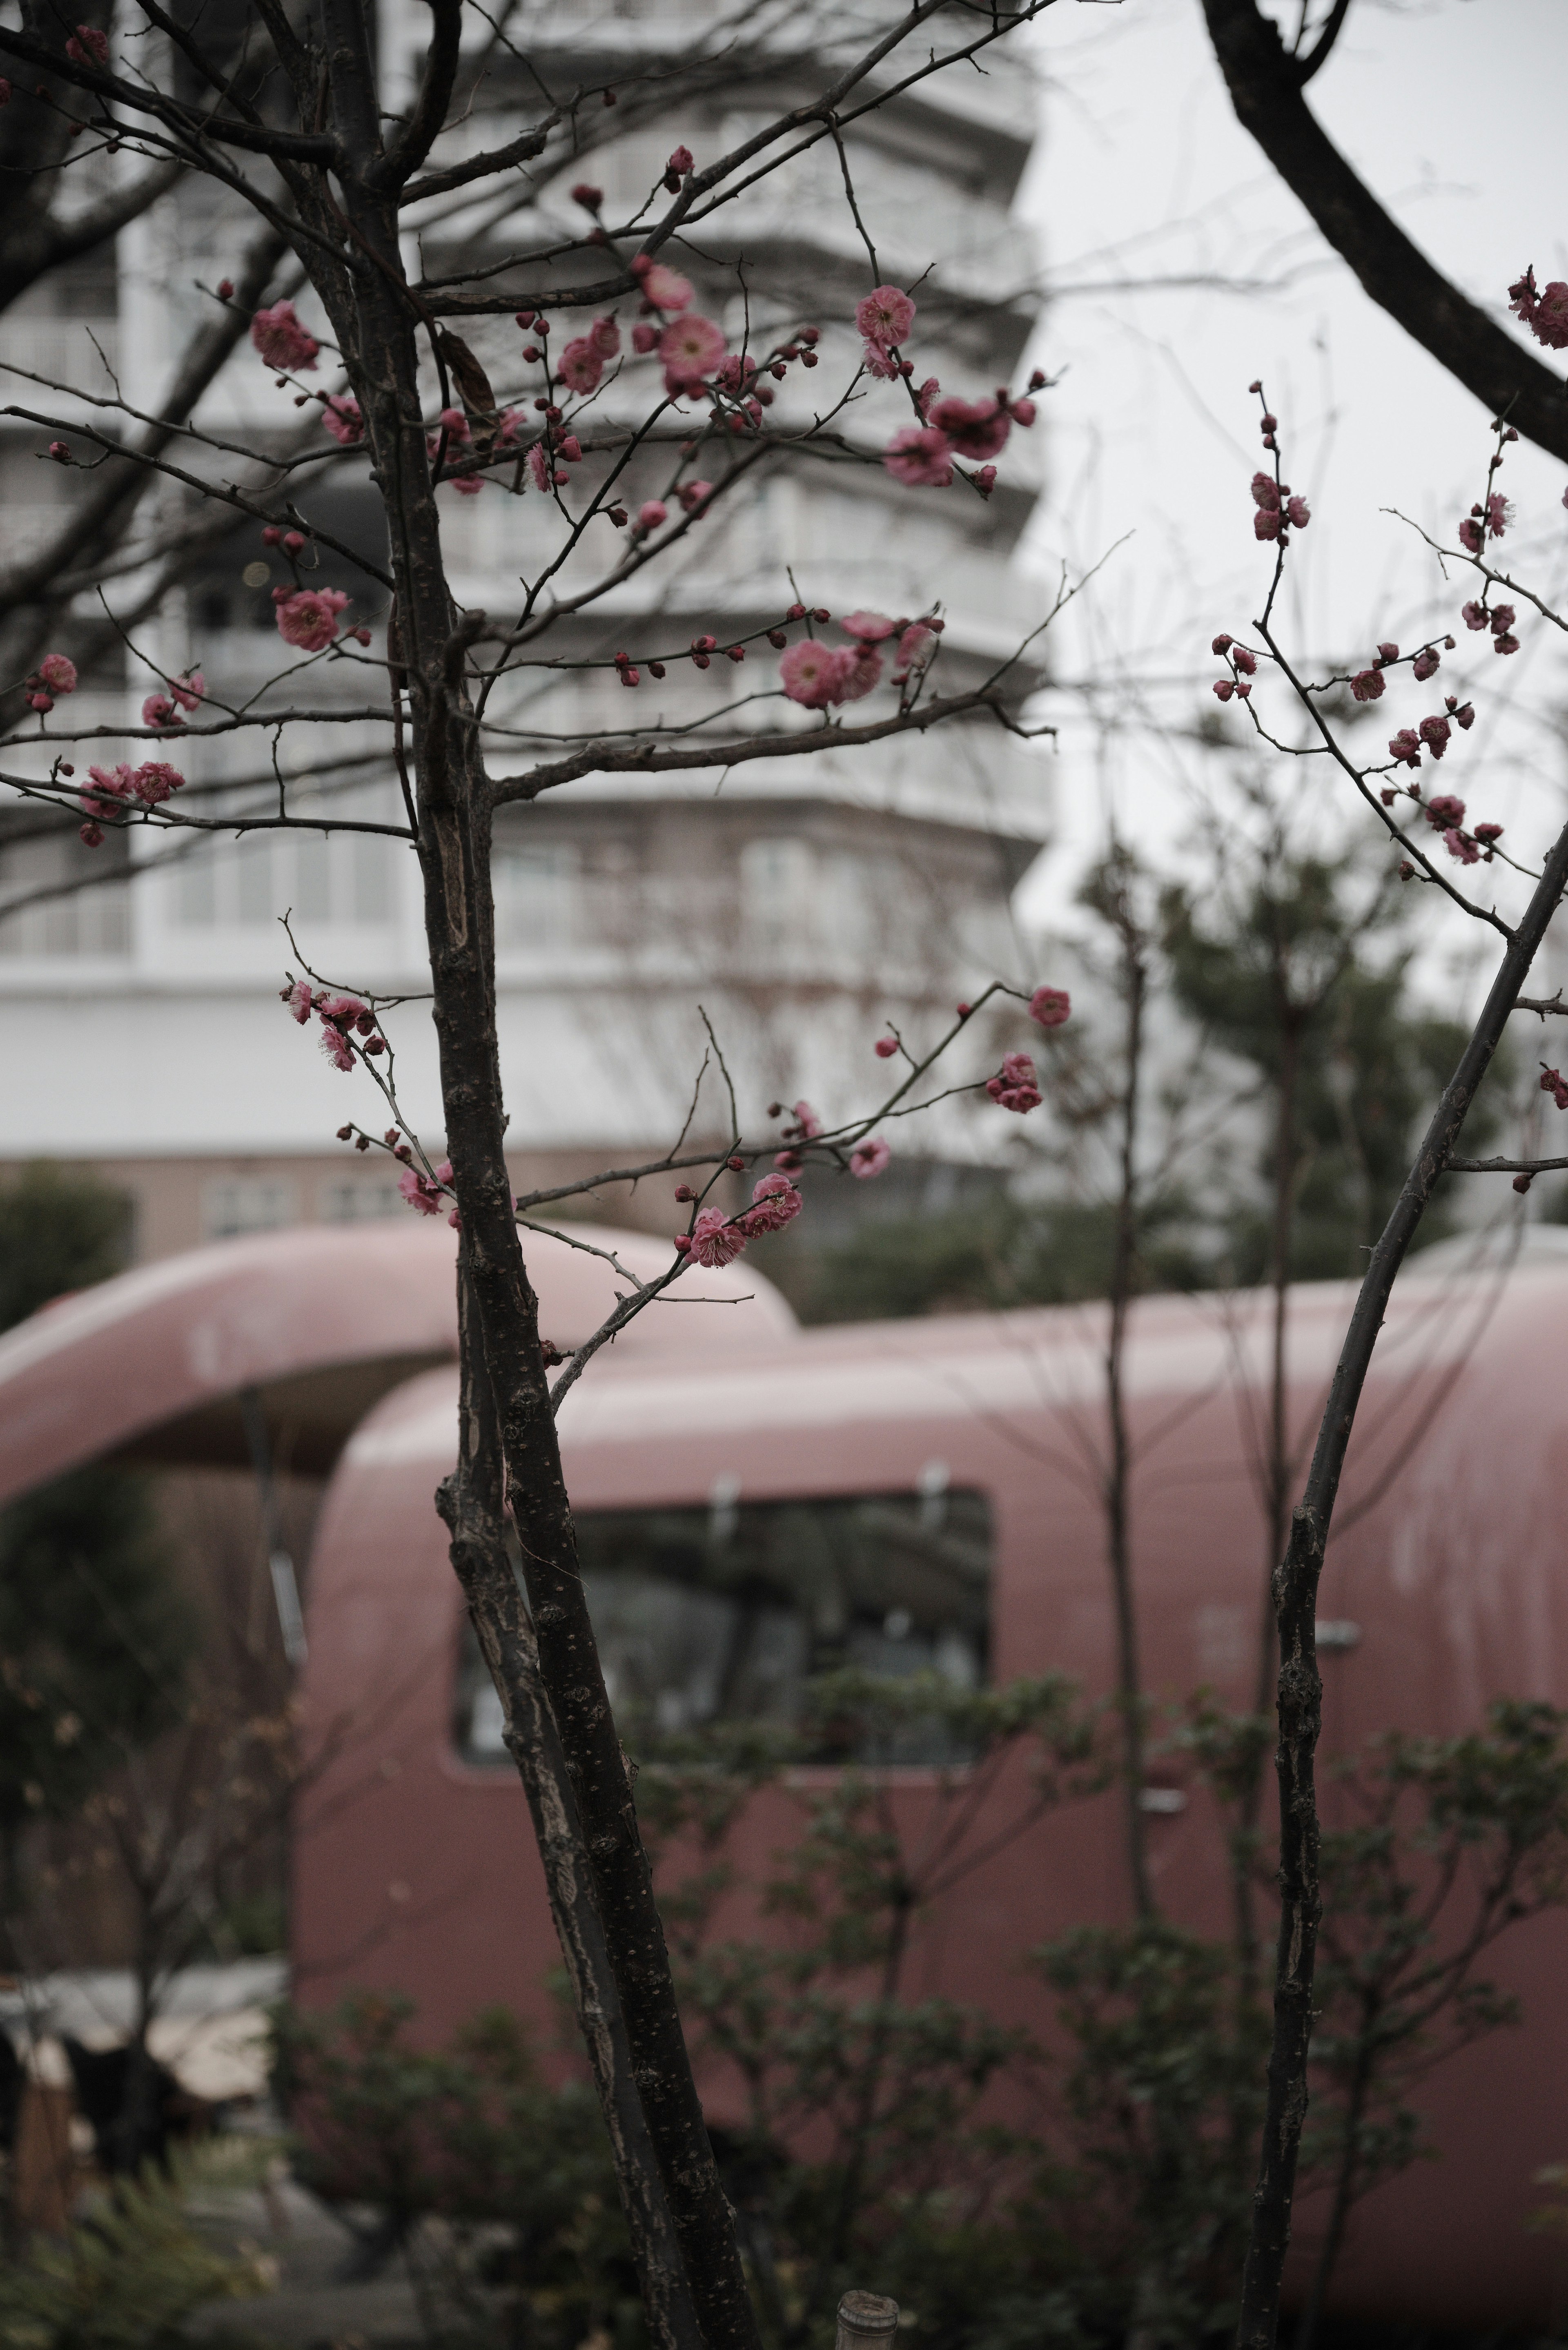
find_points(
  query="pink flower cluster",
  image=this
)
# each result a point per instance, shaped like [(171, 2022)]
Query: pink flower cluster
[(1017, 1085), (307, 617), (114, 788), (283, 343), (187, 693), (341, 417), (1486, 520), (341, 1016), (582, 363), (818, 676), (55, 677), (1276, 508), (716, 1239), (1243, 665), (1500, 619), (1545, 315), (424, 1196)]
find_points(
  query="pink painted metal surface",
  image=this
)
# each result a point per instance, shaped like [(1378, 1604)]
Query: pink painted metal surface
[(415, 1869), (321, 1321)]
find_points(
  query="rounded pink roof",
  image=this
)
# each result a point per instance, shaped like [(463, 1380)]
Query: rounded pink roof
[(321, 1321)]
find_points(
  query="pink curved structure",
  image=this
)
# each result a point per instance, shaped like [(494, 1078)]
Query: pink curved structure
[(415, 1868), (319, 1322)]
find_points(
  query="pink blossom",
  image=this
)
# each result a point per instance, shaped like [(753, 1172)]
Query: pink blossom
[(1223, 689), (1475, 616), (1017, 1086), (929, 389), (89, 835), (870, 1158), (1367, 684), (1552, 1084), (692, 494), (418, 1189), (282, 341), (921, 456), (662, 288), (1489, 832), (1546, 315), (880, 363), (1503, 617), (1266, 493), (916, 648), (299, 1000), (1508, 643), (1469, 536), (716, 1240), (775, 1202), (1426, 663), (1499, 515), (1404, 748), (885, 316), (1025, 412), (605, 337), (335, 1046), (691, 349), (807, 1125), (976, 428), (1444, 811), (539, 466), (985, 480), (159, 710), (189, 691), (871, 627), (342, 419), (680, 160), (1266, 522), (1465, 715), (58, 673), (1435, 733), (580, 366), (643, 338), (154, 780), (649, 516), (88, 45), (862, 673), (1050, 1006), (1459, 846), (114, 784), (1244, 660), (308, 618), (1299, 512), (814, 673)]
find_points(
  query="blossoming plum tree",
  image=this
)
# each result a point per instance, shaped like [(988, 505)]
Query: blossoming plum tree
[(626, 439)]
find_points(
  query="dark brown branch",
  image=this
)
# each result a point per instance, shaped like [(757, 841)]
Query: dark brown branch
[(185, 122), (1296, 1602), (1506, 1166), (1264, 82)]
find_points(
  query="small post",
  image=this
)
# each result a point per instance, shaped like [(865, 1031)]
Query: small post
[(867, 2320)]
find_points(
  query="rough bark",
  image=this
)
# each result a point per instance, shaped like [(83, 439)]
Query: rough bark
[(377, 319), (472, 1502), (1265, 85), (1300, 1699)]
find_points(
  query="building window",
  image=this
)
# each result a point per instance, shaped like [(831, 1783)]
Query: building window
[(346, 879), (52, 917), (248, 1204), (360, 1204), (537, 890), (778, 891), (726, 1613)]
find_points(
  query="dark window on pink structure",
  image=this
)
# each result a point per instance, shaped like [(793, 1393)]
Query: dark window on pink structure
[(727, 1613)]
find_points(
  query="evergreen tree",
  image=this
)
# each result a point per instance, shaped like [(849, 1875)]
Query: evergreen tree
[(96, 1639)]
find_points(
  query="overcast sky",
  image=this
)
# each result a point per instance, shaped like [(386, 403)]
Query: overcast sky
[(1451, 109)]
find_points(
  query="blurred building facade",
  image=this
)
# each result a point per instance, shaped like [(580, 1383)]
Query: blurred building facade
[(800, 902)]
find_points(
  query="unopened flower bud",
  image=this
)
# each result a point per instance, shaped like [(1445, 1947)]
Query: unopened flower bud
[(1222, 643), (735, 1166), (885, 1047), (1523, 1182), (225, 289), (684, 1191)]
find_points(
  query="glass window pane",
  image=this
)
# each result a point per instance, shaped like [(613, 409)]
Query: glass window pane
[(727, 1613)]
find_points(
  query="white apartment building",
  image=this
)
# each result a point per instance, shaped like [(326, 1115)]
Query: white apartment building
[(799, 902)]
